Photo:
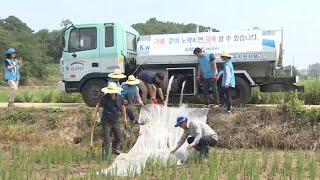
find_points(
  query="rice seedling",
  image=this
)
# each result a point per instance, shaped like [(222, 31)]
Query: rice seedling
[(286, 171), (313, 169), (299, 169)]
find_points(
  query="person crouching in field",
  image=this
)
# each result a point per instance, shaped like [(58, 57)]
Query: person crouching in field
[(131, 94), (112, 104), (12, 74), (228, 81), (201, 135)]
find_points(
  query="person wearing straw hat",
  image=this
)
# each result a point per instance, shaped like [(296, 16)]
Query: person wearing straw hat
[(198, 134), (228, 81), (208, 68), (116, 76), (131, 94), (112, 104), (12, 73)]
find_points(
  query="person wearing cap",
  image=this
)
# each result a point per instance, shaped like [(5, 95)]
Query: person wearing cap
[(116, 76), (198, 135), (131, 94), (12, 73), (228, 81), (150, 83), (112, 104), (208, 67)]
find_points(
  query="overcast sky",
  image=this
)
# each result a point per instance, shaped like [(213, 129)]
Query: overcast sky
[(299, 19)]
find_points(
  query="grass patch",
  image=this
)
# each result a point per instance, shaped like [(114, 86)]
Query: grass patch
[(42, 96)]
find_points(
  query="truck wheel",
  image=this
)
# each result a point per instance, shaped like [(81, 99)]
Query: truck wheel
[(241, 93), (91, 91)]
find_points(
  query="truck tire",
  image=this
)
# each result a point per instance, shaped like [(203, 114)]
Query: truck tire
[(241, 93), (91, 91)]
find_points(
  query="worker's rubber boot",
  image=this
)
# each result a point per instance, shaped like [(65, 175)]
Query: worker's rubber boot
[(106, 151), (154, 100), (114, 148), (131, 115), (190, 140), (205, 151)]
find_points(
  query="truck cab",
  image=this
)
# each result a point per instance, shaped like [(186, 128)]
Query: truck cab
[(90, 52)]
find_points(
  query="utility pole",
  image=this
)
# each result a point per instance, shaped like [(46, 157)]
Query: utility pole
[(292, 66)]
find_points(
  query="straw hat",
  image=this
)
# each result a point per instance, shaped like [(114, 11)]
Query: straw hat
[(117, 74), (225, 54), (132, 80), (112, 88)]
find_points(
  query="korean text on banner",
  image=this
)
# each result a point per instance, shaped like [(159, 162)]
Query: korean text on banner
[(214, 42)]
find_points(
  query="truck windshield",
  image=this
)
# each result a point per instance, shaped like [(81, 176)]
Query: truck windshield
[(131, 42), (82, 39)]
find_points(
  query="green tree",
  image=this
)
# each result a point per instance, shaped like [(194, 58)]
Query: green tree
[(14, 33), (153, 26), (65, 22), (314, 70)]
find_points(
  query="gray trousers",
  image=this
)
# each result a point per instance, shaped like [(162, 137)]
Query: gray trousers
[(113, 127)]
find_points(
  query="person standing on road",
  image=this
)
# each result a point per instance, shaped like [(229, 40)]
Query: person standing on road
[(150, 83), (112, 104), (12, 74), (131, 94), (208, 67), (201, 135), (228, 81), (116, 76)]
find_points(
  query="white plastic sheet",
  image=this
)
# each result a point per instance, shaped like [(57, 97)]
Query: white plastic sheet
[(156, 139)]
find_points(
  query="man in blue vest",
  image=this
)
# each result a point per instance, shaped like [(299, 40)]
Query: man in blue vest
[(12, 74), (228, 81), (208, 67)]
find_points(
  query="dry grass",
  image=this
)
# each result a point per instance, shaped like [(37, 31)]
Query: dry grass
[(261, 127)]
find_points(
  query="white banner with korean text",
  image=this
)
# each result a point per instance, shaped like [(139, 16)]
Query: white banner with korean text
[(214, 42)]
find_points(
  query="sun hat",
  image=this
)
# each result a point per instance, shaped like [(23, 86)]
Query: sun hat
[(117, 74), (225, 54), (132, 80), (112, 88), (180, 119)]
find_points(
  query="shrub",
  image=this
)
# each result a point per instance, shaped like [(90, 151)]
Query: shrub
[(67, 98), (23, 115)]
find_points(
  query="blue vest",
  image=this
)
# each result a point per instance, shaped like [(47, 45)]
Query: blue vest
[(224, 76), (13, 74), (206, 66), (118, 83), (129, 91)]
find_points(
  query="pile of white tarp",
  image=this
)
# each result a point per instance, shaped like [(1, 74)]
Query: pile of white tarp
[(156, 139)]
